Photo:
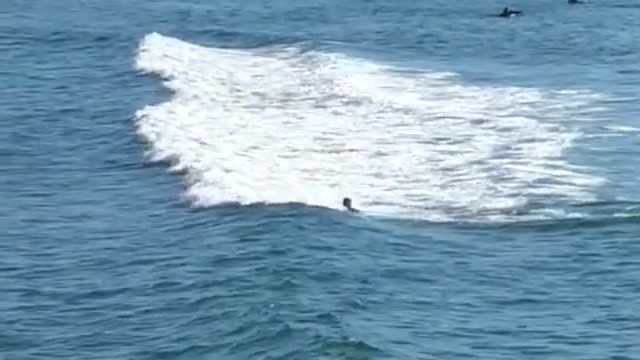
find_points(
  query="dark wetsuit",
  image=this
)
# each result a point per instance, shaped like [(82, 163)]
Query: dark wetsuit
[(353, 210), (508, 12)]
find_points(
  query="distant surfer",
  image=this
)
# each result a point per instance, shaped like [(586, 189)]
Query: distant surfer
[(573, 2), (346, 202), (506, 12)]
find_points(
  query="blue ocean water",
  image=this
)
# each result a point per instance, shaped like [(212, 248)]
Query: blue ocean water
[(171, 175)]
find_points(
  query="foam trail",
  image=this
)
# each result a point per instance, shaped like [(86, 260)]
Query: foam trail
[(283, 126)]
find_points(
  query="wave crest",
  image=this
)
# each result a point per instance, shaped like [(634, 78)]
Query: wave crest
[(312, 127)]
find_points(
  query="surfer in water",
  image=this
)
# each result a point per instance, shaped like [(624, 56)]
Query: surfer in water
[(346, 202), (572, 2), (506, 12)]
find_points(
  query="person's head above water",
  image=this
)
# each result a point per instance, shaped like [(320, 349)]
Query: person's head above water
[(346, 202)]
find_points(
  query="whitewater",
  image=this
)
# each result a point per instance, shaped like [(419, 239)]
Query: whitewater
[(279, 124)]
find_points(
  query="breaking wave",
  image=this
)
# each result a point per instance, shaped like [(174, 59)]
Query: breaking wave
[(281, 125)]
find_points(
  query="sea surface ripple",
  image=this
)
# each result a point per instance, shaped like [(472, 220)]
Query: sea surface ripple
[(171, 175)]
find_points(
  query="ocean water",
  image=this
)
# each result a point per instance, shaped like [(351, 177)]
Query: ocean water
[(171, 176)]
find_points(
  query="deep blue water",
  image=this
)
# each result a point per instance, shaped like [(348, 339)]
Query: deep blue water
[(103, 257)]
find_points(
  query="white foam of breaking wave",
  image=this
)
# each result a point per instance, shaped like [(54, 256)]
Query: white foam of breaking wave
[(286, 126), (621, 129)]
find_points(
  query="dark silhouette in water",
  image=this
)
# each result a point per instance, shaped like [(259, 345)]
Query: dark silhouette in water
[(346, 202), (572, 2), (506, 12)]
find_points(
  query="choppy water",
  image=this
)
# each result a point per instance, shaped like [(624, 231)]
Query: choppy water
[(172, 172)]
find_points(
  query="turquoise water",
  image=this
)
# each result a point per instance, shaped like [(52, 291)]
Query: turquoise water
[(172, 173)]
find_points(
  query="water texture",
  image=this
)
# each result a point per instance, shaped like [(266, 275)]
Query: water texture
[(172, 176)]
